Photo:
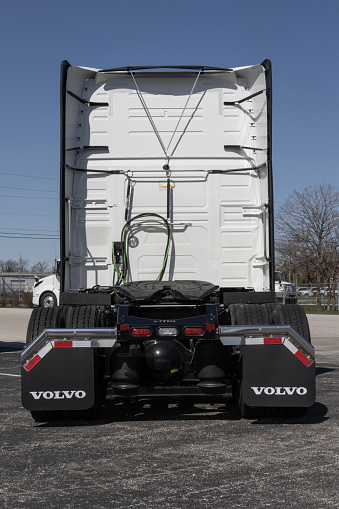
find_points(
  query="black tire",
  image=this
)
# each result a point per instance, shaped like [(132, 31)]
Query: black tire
[(292, 314), (48, 300), (86, 317), (63, 312), (261, 314), (278, 314), (249, 314), (82, 317), (270, 307), (43, 318)]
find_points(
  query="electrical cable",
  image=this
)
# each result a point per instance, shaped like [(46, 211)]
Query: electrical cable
[(35, 238), (29, 197), (21, 214), (27, 176), (25, 230), (29, 189)]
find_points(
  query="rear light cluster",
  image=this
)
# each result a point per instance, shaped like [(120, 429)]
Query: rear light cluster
[(167, 331), (194, 331), (141, 332)]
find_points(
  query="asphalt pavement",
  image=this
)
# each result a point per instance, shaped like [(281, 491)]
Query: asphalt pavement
[(198, 456)]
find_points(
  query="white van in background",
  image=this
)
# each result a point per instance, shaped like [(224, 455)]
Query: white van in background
[(46, 290)]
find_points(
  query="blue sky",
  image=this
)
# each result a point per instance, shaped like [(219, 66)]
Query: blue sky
[(300, 37)]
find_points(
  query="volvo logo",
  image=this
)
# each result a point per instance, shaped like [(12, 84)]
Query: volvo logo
[(58, 394), (279, 391)]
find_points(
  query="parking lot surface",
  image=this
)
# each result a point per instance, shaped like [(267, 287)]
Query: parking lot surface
[(199, 456)]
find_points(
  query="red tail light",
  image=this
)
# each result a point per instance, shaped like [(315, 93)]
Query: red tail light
[(141, 332), (194, 331)]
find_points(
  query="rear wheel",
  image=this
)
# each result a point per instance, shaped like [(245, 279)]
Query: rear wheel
[(87, 317), (263, 314), (270, 307), (41, 319), (292, 314), (248, 314), (82, 317)]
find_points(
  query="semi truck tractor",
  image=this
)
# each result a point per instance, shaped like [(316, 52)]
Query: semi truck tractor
[(167, 287)]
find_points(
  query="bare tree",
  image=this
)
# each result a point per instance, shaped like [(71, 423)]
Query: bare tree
[(307, 227), (40, 268), (10, 265)]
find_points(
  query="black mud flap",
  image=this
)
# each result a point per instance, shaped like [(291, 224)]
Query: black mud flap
[(62, 380), (274, 377)]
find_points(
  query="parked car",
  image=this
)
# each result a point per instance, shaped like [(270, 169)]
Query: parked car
[(326, 291), (306, 291)]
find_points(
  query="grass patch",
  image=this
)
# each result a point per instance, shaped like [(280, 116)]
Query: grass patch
[(15, 302), (313, 310)]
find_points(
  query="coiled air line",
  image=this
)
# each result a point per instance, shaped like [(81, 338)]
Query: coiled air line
[(122, 275)]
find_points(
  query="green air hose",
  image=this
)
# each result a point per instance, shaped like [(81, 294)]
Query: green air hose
[(122, 275)]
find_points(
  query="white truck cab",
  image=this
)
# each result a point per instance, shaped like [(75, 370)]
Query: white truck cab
[(46, 291)]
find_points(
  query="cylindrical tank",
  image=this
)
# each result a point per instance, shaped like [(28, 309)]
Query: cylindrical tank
[(164, 361)]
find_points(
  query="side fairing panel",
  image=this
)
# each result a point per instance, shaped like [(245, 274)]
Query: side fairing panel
[(119, 132)]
